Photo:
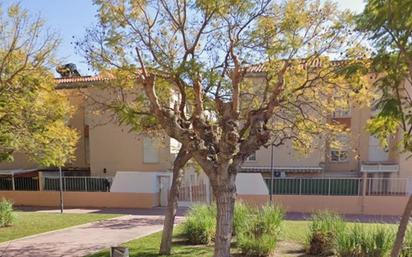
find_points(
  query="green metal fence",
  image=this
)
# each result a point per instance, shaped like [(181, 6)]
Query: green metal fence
[(315, 186), (78, 184)]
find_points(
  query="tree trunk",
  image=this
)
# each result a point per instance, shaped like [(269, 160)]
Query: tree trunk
[(180, 161), (403, 225), (225, 195)]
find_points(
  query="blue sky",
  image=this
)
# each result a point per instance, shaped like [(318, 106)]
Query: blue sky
[(70, 18)]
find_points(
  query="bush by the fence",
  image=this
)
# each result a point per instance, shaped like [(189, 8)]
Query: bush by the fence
[(359, 241), (323, 232), (200, 224), (259, 234), (6, 213)]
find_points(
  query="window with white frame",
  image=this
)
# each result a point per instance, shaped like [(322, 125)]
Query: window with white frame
[(342, 113), (150, 150), (340, 153), (251, 157)]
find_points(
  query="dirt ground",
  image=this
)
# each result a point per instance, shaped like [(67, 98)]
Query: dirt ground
[(289, 249)]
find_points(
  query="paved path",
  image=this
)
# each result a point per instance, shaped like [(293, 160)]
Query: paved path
[(84, 239)]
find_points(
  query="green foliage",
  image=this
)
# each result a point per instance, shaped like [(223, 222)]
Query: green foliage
[(359, 241), (260, 232), (241, 216), (200, 224), (407, 244), (324, 229), (32, 114), (6, 213)]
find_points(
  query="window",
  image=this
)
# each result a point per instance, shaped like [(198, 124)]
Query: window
[(150, 150), (339, 151), (338, 155), (342, 113), (343, 109), (251, 157)]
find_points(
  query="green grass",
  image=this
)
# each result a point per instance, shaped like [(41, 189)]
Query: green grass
[(148, 246), (30, 223)]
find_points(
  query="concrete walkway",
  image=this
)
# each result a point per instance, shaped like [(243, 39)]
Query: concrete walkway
[(84, 239)]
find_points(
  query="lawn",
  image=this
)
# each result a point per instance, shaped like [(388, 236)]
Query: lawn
[(293, 231), (30, 223)]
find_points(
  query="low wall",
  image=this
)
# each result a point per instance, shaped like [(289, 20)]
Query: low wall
[(367, 205), (82, 199)]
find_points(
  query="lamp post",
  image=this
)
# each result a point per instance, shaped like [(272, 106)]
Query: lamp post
[(271, 175), (61, 189)]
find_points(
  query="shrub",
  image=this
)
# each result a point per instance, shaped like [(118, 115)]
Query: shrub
[(324, 229), (200, 224), (6, 213), (259, 235), (241, 216), (360, 241)]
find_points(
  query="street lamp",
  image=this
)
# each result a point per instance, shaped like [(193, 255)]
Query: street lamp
[(272, 175), (61, 189)]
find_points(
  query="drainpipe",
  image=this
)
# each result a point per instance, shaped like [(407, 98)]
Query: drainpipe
[(61, 189), (272, 176), (13, 185)]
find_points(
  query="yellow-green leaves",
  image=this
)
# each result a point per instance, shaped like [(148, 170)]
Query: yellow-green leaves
[(32, 114)]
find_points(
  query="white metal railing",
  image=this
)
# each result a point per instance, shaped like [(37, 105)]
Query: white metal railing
[(77, 183), (387, 186), (379, 167), (340, 186)]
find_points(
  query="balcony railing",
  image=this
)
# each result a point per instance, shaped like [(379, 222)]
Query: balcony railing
[(379, 167)]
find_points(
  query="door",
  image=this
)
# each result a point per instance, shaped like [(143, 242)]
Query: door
[(375, 152), (164, 186)]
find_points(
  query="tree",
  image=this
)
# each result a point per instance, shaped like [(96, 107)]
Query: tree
[(32, 113), (227, 107), (117, 102), (389, 27)]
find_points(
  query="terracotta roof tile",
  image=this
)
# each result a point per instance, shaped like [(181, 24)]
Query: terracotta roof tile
[(83, 79), (261, 67)]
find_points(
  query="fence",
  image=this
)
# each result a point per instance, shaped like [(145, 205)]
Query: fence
[(193, 193), (78, 184), (74, 184), (19, 183), (339, 186)]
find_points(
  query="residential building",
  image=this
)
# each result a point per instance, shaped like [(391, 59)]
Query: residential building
[(106, 147)]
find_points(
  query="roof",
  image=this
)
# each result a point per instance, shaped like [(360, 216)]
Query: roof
[(14, 172), (316, 63), (85, 81), (70, 82)]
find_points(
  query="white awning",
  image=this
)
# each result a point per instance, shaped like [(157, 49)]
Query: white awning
[(15, 172), (282, 169)]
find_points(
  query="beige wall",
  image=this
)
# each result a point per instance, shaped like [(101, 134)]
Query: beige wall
[(285, 156), (82, 199), (21, 161), (367, 205)]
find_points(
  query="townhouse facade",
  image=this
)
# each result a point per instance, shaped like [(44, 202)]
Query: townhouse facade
[(105, 147)]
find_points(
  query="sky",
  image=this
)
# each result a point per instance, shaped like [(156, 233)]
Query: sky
[(70, 18)]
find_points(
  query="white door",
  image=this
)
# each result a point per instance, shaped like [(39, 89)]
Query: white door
[(164, 186), (376, 153)]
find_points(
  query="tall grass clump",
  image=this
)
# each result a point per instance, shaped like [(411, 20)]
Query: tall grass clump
[(323, 232), (407, 244), (258, 236), (241, 215), (6, 213), (361, 241), (200, 224)]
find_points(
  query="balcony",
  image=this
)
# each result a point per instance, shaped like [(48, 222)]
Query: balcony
[(376, 167)]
